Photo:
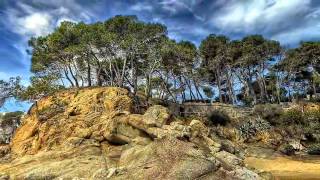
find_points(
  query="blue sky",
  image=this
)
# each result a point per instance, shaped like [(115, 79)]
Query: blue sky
[(288, 21)]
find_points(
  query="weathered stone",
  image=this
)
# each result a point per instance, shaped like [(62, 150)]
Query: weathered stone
[(4, 150), (98, 138), (297, 146), (156, 116), (198, 128), (244, 173), (4, 176), (166, 159), (81, 162), (228, 146), (229, 159)]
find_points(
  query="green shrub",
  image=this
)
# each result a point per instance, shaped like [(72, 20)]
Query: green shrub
[(249, 128), (208, 91), (247, 101), (219, 117), (292, 116), (287, 149), (10, 117), (313, 116), (315, 99), (314, 149), (269, 112)]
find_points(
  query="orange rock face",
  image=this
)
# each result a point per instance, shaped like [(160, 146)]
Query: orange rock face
[(91, 134), (75, 113)]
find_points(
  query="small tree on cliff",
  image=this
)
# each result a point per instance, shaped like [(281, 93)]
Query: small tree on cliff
[(10, 89)]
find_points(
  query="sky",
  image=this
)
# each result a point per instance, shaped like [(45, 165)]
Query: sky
[(288, 21)]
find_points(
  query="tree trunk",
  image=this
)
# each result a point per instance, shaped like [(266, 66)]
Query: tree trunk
[(314, 88), (98, 75), (219, 85), (73, 76), (251, 91), (98, 70), (148, 86), (167, 89), (68, 78), (89, 73), (262, 94), (278, 89), (134, 77), (230, 88), (198, 91), (175, 88), (123, 72), (190, 89)]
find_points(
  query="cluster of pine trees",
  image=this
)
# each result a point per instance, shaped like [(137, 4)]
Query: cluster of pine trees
[(126, 52)]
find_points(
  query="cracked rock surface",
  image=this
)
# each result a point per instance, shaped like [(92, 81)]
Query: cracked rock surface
[(92, 134)]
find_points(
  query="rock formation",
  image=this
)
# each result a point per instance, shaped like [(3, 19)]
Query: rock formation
[(93, 134), (8, 124)]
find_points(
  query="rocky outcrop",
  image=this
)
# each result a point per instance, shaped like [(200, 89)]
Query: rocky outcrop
[(92, 134), (9, 122)]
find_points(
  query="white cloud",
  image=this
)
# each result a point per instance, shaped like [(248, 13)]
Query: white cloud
[(36, 24), (288, 21), (175, 6), (293, 37), (246, 16), (28, 20), (140, 6)]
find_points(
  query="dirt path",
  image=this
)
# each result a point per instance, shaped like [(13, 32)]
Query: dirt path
[(288, 168)]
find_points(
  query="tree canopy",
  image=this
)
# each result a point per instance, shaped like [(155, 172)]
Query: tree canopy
[(126, 52)]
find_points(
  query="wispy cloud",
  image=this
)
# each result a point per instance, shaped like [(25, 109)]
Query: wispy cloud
[(289, 21), (273, 18), (23, 19), (35, 24), (142, 6), (28, 20)]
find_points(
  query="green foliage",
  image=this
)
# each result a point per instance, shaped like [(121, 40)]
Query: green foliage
[(292, 116), (315, 99), (312, 116), (314, 149), (126, 52), (208, 91), (269, 112), (248, 100), (218, 117), (40, 86), (10, 117), (10, 89), (250, 127), (287, 149)]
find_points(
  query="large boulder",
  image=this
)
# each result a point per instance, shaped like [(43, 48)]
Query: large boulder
[(84, 161), (75, 113), (92, 134), (166, 159), (156, 116)]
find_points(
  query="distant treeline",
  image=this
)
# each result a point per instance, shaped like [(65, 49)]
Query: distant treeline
[(126, 52)]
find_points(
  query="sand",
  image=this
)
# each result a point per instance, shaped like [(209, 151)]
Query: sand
[(287, 168)]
